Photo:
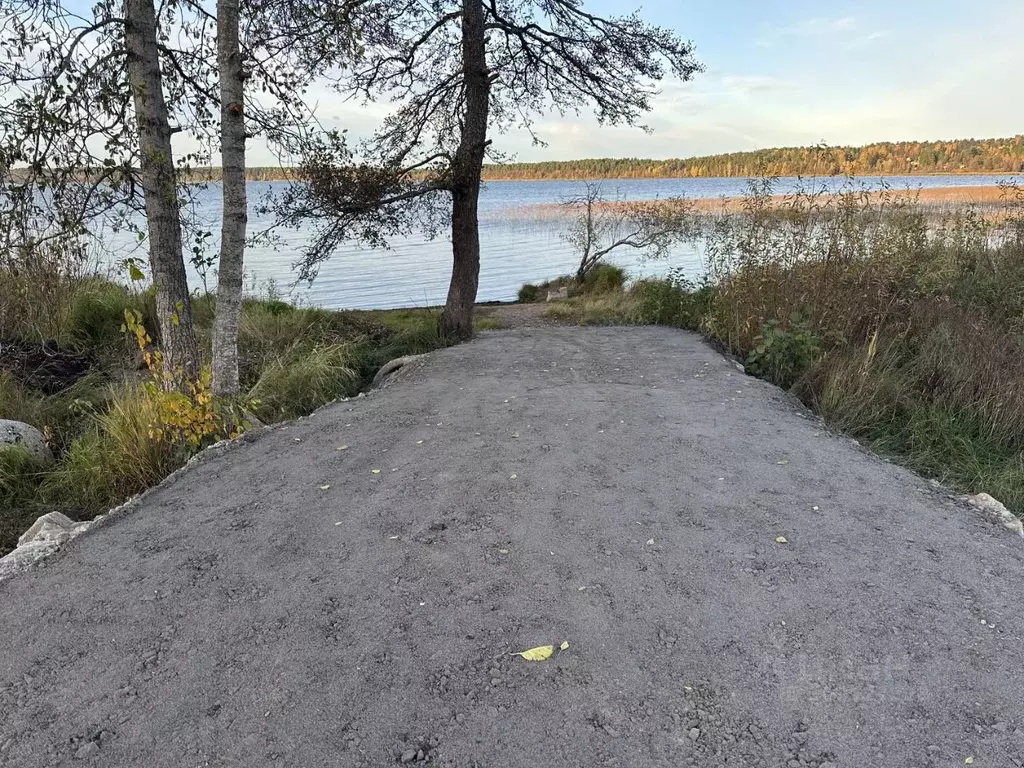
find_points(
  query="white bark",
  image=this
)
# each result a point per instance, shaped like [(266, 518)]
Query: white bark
[(163, 217), (235, 215)]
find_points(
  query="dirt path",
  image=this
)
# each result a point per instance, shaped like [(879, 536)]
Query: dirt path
[(622, 489)]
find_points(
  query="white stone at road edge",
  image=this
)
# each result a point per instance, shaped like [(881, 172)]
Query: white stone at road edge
[(996, 509), (47, 534)]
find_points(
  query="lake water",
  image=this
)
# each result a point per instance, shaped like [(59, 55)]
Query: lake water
[(518, 243)]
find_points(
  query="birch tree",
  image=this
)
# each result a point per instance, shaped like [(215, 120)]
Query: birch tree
[(163, 217), (85, 139), (268, 54), (234, 210)]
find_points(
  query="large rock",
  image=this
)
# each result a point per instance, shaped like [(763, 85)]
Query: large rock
[(390, 367), (18, 433), (560, 295)]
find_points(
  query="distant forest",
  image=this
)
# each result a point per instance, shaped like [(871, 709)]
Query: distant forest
[(882, 159)]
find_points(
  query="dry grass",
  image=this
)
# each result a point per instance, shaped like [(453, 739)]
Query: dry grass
[(938, 199), (900, 323), (917, 321)]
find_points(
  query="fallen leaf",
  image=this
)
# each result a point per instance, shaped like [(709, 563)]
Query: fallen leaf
[(324, 487), (564, 645), (540, 653), (782, 461), (969, 761), (375, 471), (392, 537), (342, 448), (419, 442), (298, 439), (650, 542), (781, 540), (513, 477), (502, 551)]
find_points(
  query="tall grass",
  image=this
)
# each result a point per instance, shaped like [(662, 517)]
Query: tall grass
[(40, 286), (298, 384), (912, 321)]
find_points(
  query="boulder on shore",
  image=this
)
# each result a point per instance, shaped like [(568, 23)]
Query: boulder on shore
[(17, 433)]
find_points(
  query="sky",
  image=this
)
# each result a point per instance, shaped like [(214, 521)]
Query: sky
[(796, 72)]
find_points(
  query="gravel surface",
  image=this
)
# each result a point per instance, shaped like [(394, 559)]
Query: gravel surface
[(738, 587)]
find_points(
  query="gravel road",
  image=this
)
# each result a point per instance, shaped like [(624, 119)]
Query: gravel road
[(738, 586)]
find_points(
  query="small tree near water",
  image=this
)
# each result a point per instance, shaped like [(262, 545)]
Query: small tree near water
[(601, 226)]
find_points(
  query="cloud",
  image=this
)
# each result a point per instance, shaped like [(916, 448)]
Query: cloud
[(818, 26), (846, 29), (862, 40), (744, 85)]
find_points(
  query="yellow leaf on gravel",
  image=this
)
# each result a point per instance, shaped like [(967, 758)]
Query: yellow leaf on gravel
[(375, 471), (540, 653), (781, 540), (564, 645), (419, 442), (782, 461), (342, 448), (324, 487), (969, 761)]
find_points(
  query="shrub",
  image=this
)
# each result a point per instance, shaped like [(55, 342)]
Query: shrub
[(604, 278), (782, 355), (671, 301), (528, 294)]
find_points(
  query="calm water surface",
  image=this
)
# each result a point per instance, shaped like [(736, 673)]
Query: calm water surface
[(518, 244)]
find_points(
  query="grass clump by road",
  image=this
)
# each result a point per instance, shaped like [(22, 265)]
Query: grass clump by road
[(113, 430), (899, 324)]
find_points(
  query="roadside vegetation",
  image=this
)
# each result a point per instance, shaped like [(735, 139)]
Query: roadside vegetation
[(79, 373), (899, 325)]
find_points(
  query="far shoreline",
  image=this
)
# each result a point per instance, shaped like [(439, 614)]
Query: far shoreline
[(212, 175)]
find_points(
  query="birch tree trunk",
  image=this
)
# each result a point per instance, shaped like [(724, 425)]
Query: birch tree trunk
[(163, 217), (457, 317), (235, 215)]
